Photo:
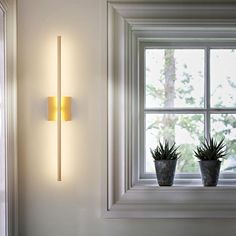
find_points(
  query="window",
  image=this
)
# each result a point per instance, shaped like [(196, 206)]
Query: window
[(147, 44), (189, 95)]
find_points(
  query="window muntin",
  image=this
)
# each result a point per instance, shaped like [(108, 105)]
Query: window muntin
[(199, 114)]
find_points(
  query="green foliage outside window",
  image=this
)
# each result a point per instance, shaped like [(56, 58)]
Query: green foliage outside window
[(165, 128)]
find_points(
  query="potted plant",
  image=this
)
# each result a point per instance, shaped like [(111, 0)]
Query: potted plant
[(165, 157), (210, 154)]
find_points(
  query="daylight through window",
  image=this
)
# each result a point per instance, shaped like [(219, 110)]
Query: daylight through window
[(189, 95)]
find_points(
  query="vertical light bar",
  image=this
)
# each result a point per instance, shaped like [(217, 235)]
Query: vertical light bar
[(58, 108)]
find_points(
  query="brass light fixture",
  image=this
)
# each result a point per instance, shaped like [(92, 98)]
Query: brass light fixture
[(59, 108)]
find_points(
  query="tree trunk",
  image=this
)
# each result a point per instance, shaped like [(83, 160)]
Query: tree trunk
[(169, 91)]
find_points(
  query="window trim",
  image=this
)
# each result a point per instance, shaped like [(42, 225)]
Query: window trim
[(128, 24), (206, 110)]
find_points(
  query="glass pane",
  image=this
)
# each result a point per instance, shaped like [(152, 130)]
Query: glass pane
[(223, 77), (224, 126), (186, 130), (174, 78)]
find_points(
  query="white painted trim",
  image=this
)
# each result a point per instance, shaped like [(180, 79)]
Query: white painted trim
[(11, 117), (128, 25)]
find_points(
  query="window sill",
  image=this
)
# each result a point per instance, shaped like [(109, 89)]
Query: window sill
[(151, 201), (187, 183)]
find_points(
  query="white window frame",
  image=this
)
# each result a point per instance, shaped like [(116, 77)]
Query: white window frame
[(206, 111), (128, 25)]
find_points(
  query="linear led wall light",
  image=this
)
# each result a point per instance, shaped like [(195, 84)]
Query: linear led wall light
[(59, 108)]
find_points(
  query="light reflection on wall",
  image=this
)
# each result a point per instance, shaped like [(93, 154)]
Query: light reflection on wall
[(67, 127)]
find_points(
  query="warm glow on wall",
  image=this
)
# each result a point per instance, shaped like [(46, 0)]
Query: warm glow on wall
[(59, 108)]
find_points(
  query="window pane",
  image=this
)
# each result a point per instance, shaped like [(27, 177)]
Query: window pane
[(224, 126), (174, 78), (186, 130), (223, 77)]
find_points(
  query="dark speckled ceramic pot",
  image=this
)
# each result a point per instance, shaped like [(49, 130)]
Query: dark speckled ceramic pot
[(165, 171), (210, 172)]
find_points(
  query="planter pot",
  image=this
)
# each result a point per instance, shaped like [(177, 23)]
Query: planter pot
[(210, 172), (165, 171)]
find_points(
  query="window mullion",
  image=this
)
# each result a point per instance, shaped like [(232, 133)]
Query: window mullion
[(207, 93), (174, 110)]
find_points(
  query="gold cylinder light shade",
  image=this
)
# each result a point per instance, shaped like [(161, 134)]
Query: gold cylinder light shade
[(59, 108), (65, 108)]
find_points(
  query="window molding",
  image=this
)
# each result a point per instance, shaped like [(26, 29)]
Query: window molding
[(128, 25)]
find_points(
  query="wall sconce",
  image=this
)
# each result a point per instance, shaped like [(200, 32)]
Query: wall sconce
[(59, 108)]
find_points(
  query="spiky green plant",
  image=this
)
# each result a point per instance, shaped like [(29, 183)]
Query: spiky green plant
[(165, 152), (211, 150)]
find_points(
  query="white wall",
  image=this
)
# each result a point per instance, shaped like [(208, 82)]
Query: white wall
[(72, 207)]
